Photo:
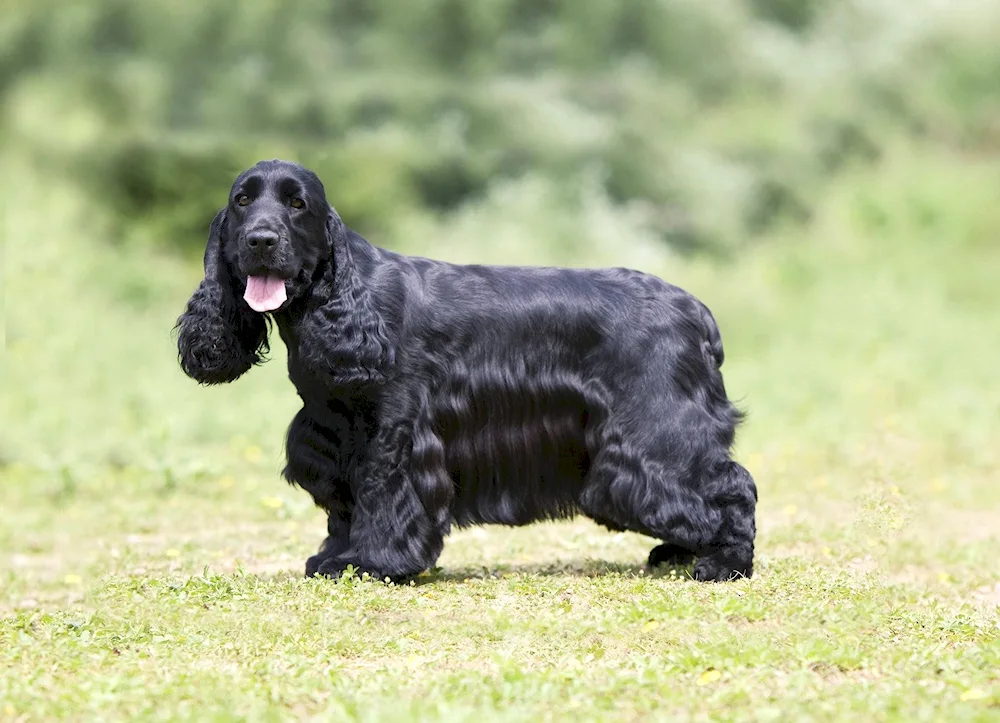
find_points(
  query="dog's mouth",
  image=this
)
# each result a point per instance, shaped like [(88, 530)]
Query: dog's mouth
[(265, 293)]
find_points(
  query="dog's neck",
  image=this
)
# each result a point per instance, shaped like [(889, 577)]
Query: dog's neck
[(335, 334)]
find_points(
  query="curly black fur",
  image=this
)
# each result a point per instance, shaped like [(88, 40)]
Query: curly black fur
[(436, 394)]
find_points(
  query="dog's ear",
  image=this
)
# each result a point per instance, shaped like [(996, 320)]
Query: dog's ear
[(219, 338), (342, 334)]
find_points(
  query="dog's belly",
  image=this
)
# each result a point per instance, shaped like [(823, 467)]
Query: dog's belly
[(516, 471)]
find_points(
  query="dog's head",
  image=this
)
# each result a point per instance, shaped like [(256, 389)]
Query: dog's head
[(278, 241), (275, 231), (263, 252)]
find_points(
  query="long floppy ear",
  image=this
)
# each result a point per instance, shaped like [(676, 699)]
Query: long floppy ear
[(219, 338), (342, 334)]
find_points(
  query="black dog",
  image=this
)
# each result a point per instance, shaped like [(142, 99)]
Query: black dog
[(434, 393)]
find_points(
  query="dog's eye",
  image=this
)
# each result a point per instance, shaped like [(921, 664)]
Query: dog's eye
[(243, 200), (297, 203)]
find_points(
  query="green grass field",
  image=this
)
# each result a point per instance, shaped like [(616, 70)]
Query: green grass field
[(151, 557)]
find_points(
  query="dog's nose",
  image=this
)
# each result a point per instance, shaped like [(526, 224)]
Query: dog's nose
[(262, 239)]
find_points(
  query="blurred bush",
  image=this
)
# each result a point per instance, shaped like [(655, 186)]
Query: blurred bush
[(703, 123)]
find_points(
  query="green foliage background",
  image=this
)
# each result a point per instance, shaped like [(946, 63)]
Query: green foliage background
[(698, 125), (824, 174)]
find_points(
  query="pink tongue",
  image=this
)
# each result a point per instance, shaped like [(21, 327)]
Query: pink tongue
[(265, 293)]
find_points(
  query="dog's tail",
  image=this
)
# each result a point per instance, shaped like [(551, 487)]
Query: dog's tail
[(712, 345), (712, 352)]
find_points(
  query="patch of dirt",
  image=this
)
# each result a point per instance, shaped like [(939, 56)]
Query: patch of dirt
[(988, 596), (833, 673), (963, 525)]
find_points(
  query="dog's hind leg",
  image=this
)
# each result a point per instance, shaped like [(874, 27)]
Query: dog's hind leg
[(628, 489), (670, 554), (730, 552), (692, 497)]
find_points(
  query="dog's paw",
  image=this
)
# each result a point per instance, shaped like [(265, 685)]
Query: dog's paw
[(331, 567), (313, 565), (722, 567), (670, 555), (335, 568)]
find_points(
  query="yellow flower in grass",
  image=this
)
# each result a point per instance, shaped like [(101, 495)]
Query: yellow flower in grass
[(253, 454), (708, 677), (274, 503)]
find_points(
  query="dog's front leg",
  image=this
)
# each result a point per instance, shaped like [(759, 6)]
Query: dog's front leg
[(337, 542), (391, 533)]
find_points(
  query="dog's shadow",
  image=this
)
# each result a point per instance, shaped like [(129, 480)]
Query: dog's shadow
[(586, 568)]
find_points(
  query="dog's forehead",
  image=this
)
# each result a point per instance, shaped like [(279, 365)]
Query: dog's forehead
[(276, 171)]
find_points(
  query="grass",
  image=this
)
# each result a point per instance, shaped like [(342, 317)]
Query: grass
[(150, 557)]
